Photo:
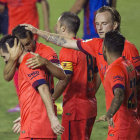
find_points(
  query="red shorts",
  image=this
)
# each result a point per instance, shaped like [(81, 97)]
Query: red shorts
[(127, 134), (36, 139), (75, 129)]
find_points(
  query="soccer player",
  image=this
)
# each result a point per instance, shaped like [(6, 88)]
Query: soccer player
[(106, 19), (78, 88), (38, 119), (90, 8), (25, 11), (120, 90), (26, 38)]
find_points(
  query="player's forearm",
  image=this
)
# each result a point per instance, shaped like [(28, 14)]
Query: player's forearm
[(55, 70), (46, 14), (116, 102), (47, 99), (78, 5), (59, 88), (97, 81), (9, 70), (58, 40)]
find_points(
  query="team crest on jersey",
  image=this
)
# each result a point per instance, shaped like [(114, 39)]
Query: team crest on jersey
[(33, 74)]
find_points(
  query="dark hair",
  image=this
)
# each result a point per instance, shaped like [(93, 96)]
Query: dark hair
[(114, 42), (7, 39), (21, 32), (71, 20), (114, 13)]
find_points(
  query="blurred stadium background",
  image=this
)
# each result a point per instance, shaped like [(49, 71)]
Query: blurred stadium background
[(129, 11)]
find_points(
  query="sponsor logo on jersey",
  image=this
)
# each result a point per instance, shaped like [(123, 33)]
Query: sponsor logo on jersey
[(33, 74)]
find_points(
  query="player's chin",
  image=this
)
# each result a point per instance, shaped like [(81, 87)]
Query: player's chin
[(101, 35)]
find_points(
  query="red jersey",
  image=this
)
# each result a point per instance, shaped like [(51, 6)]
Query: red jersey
[(34, 119), (48, 53), (22, 11), (121, 74), (79, 100), (94, 47)]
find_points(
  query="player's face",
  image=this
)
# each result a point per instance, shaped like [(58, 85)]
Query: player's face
[(59, 28), (104, 23), (5, 56), (28, 43)]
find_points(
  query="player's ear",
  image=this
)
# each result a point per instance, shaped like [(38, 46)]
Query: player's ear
[(63, 28), (115, 25)]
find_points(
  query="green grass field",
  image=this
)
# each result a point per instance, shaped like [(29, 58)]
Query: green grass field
[(129, 11)]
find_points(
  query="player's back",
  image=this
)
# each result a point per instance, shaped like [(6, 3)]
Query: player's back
[(22, 11), (79, 95), (130, 101), (34, 119)]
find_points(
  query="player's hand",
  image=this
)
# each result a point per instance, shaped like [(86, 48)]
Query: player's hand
[(36, 61), (16, 50), (57, 128), (30, 28), (16, 126), (105, 118)]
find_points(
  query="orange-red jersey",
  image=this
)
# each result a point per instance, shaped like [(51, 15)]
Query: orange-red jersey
[(121, 74), (22, 11), (79, 100), (34, 119), (94, 47), (45, 52), (48, 53)]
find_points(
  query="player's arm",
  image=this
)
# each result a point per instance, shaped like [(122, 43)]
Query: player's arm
[(54, 69), (114, 3), (10, 67), (77, 6), (115, 105), (53, 38), (116, 102), (46, 13), (60, 86), (97, 81), (47, 99)]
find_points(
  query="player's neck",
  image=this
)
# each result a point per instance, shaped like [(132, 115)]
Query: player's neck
[(21, 57), (112, 59), (70, 35)]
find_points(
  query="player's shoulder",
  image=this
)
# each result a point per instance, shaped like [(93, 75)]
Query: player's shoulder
[(44, 47), (93, 40), (68, 54), (129, 44)]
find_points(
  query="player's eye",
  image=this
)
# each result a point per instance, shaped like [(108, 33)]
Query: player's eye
[(28, 43)]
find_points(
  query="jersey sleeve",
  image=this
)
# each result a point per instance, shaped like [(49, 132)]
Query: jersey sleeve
[(116, 78), (131, 53), (35, 77), (90, 46), (68, 58), (48, 53)]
